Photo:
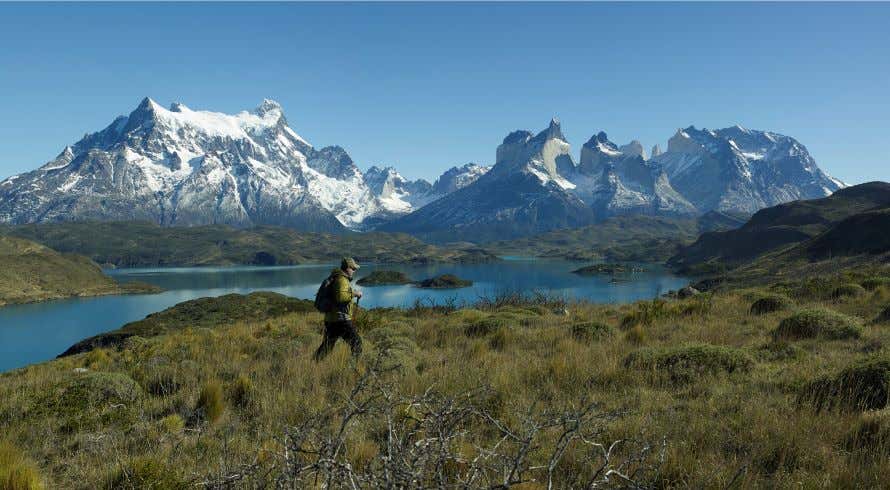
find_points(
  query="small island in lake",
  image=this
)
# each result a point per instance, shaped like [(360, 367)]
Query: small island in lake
[(597, 269), (385, 278), (445, 281)]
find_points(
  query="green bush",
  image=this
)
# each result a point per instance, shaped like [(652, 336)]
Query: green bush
[(685, 362), (850, 290), (873, 283), (770, 303), (590, 331), (864, 385), (16, 471), (818, 323), (211, 406), (146, 472)]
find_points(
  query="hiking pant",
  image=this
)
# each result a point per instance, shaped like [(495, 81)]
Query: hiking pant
[(340, 329)]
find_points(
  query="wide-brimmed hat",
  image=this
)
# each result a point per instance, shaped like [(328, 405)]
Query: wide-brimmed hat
[(350, 263)]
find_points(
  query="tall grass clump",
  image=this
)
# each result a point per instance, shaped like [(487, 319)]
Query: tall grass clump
[(821, 323), (770, 303), (864, 385), (871, 433), (210, 405), (145, 472), (850, 290), (16, 471), (685, 362)]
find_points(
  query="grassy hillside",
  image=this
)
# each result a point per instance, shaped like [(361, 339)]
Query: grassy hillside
[(126, 244), (31, 272), (849, 222), (705, 392), (623, 238), (201, 312)]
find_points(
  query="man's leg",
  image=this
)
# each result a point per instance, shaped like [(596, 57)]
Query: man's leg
[(330, 338), (351, 336)]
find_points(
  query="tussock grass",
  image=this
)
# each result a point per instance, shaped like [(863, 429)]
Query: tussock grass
[(864, 385), (732, 398), (821, 323), (210, 405), (17, 472)]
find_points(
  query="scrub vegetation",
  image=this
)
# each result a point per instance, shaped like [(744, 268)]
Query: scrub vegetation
[(699, 392)]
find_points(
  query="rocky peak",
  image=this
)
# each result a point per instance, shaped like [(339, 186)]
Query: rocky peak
[(656, 150), (553, 131), (634, 148)]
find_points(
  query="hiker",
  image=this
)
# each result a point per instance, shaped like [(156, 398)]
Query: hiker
[(335, 298)]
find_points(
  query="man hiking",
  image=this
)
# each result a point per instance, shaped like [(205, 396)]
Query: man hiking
[(340, 310)]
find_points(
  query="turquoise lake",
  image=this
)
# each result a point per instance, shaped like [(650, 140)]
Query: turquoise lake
[(36, 332)]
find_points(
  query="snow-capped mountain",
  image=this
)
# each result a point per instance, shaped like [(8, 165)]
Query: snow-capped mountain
[(179, 166), (536, 186), (401, 196), (457, 178), (524, 192), (738, 169), (617, 181), (396, 193)]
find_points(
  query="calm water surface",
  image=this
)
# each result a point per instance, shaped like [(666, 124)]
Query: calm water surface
[(37, 332)]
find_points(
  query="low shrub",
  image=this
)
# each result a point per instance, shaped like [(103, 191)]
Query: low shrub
[(483, 327), (93, 389), (17, 472), (818, 323), (685, 362), (779, 351), (864, 385), (590, 331), (850, 290), (210, 405), (770, 303)]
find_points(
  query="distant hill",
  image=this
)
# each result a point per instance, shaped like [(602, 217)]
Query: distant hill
[(622, 238), (31, 272), (852, 221), (144, 244)]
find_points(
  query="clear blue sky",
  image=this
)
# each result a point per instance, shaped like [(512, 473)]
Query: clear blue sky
[(427, 86)]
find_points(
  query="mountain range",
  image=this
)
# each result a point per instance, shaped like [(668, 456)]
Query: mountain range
[(178, 166)]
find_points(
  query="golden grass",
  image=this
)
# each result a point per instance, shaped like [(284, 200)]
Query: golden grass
[(254, 379)]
